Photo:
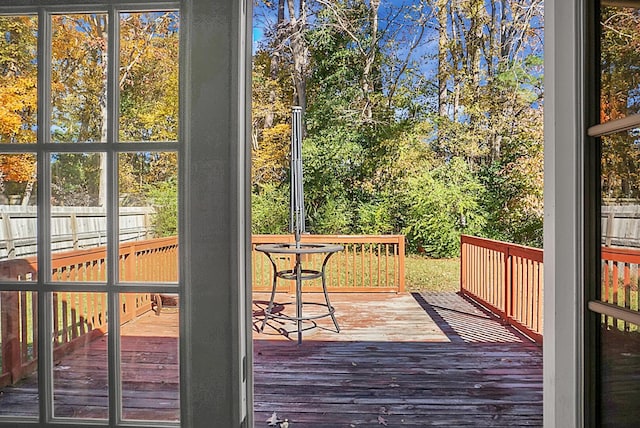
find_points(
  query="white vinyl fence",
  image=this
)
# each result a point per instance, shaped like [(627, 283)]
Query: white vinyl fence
[(72, 228)]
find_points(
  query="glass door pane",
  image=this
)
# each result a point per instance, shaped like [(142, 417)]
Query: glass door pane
[(619, 339), (97, 213), (19, 357), (618, 345), (148, 211), (18, 79), (79, 78), (150, 368), (148, 76), (80, 349)]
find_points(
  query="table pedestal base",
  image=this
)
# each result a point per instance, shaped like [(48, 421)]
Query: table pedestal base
[(298, 274)]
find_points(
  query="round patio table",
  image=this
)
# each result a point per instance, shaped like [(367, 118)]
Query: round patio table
[(298, 274)]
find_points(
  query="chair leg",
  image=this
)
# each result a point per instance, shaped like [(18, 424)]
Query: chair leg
[(158, 302), (329, 307), (267, 311)]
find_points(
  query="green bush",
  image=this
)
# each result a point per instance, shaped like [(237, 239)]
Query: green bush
[(441, 204), (375, 218), (331, 218), (164, 199), (270, 209)]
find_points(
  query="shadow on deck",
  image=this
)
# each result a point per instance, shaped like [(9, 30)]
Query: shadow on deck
[(400, 360)]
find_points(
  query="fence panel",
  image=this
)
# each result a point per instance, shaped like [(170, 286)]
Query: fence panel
[(369, 263), (505, 278), (72, 228)]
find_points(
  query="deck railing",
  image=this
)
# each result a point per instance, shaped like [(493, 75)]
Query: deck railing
[(620, 281), (369, 263), (77, 317), (507, 279)]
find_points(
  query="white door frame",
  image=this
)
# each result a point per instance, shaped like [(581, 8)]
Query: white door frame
[(217, 227), (565, 131), (215, 344)]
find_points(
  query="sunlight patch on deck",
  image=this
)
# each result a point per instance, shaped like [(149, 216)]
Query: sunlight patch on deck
[(151, 325), (371, 317)]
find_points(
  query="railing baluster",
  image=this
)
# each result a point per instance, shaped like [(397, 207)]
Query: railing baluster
[(615, 281), (370, 247), (65, 317), (378, 263), (627, 292), (56, 319), (34, 330), (23, 323), (386, 265), (605, 297)]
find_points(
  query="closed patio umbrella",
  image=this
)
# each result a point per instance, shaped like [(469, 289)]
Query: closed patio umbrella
[(297, 214), (297, 227)]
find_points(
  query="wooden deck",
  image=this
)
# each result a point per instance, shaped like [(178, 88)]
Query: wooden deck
[(400, 360), (150, 373)]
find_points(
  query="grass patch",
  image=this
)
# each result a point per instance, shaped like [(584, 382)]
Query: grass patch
[(425, 274)]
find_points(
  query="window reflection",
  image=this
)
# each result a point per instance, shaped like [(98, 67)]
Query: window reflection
[(619, 340)]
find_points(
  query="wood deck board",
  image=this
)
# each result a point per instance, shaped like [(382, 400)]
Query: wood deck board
[(411, 360), (150, 373), (421, 360)]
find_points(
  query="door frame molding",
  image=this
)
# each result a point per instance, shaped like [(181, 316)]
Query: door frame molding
[(565, 131)]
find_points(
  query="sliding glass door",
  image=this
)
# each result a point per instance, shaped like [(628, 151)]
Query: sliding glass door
[(613, 321)]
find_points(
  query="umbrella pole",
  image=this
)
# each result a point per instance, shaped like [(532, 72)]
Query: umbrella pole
[(297, 192)]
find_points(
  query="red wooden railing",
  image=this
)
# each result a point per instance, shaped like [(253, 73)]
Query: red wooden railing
[(369, 263), (508, 280), (505, 278), (620, 274), (77, 317)]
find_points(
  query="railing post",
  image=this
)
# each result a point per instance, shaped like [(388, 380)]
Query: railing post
[(10, 309), (8, 236), (401, 254), (508, 284), (463, 265)]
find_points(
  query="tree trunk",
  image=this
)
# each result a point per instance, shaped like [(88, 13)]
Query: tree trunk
[(443, 43), (28, 190), (274, 67), (369, 61)]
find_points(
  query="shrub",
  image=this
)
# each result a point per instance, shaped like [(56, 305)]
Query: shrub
[(270, 209), (441, 204)]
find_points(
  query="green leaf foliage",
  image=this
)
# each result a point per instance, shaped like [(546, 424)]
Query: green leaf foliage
[(270, 209), (164, 199), (442, 204)]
